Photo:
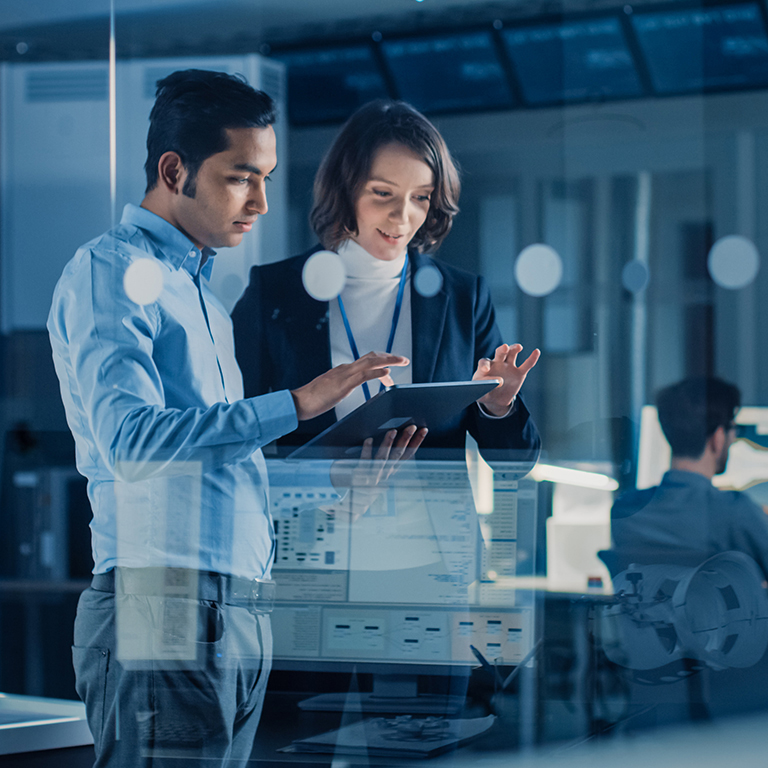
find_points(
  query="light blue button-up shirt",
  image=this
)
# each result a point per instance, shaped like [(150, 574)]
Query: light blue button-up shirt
[(154, 398)]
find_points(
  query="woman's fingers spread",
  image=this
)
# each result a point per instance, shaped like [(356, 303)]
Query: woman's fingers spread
[(501, 353), (533, 358), (514, 351)]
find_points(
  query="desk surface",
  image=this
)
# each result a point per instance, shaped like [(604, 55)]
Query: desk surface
[(32, 723)]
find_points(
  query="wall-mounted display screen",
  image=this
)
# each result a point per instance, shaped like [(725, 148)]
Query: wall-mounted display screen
[(573, 61), (448, 73), (328, 85), (704, 48)]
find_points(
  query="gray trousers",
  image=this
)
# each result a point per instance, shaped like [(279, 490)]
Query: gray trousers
[(151, 710)]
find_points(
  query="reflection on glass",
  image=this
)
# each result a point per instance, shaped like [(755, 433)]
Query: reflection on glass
[(143, 281), (324, 275), (522, 171), (716, 613), (733, 262), (635, 276), (407, 581), (162, 629), (538, 269), (428, 281)]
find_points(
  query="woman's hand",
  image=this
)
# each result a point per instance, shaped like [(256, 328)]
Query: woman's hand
[(368, 477), (504, 366)]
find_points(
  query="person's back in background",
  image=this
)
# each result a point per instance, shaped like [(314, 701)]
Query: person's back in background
[(685, 512)]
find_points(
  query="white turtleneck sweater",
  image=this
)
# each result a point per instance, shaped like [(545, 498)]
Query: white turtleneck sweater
[(369, 297)]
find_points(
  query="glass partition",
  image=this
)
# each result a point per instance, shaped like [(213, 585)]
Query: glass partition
[(613, 171)]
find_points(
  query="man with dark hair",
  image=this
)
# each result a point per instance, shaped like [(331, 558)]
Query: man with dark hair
[(172, 640), (696, 412), (685, 517), (190, 109)]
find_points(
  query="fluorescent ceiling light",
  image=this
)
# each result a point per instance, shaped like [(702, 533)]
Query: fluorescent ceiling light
[(553, 474)]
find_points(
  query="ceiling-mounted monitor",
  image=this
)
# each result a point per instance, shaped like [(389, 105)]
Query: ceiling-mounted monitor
[(579, 60), (449, 73), (710, 48), (327, 85)]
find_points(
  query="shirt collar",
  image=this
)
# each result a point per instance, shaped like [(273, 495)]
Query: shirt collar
[(685, 477), (177, 249)]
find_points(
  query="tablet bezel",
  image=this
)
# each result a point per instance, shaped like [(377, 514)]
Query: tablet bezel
[(395, 407)]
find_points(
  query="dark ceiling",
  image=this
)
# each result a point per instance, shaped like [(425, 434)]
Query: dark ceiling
[(42, 31)]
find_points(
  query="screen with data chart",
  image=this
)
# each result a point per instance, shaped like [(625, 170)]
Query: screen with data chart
[(413, 575)]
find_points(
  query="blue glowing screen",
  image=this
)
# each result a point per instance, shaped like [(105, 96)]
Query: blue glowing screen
[(581, 60), (704, 48)]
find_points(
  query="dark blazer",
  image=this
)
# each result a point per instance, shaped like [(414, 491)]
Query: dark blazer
[(282, 342)]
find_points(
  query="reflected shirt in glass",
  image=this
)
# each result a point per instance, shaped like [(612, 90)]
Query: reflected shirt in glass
[(153, 396)]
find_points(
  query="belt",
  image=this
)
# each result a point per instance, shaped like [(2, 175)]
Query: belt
[(257, 595)]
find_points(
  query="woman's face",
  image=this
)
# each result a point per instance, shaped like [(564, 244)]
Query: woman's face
[(394, 201)]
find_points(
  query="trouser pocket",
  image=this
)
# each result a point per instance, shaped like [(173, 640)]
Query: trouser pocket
[(91, 666)]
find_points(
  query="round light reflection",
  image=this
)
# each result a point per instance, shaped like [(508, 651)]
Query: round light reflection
[(143, 281), (635, 276), (538, 269), (324, 275), (733, 262), (428, 281)]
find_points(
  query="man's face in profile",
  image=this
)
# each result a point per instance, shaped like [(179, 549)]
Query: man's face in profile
[(228, 193)]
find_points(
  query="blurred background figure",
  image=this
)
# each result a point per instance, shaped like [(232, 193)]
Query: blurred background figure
[(686, 513)]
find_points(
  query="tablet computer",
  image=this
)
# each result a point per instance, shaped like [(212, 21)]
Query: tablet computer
[(425, 405)]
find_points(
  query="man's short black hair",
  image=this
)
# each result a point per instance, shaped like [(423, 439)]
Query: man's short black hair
[(192, 111), (691, 411)]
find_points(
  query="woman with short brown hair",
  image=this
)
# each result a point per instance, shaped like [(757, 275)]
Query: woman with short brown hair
[(384, 197), (347, 165)]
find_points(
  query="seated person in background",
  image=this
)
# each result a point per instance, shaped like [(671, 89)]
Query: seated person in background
[(686, 513)]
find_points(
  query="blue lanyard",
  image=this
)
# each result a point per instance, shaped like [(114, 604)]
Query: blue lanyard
[(395, 320)]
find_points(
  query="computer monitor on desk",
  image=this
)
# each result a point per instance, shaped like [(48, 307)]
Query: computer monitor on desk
[(409, 586)]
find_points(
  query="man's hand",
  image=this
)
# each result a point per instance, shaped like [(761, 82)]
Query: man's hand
[(503, 366), (367, 478), (324, 392)]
